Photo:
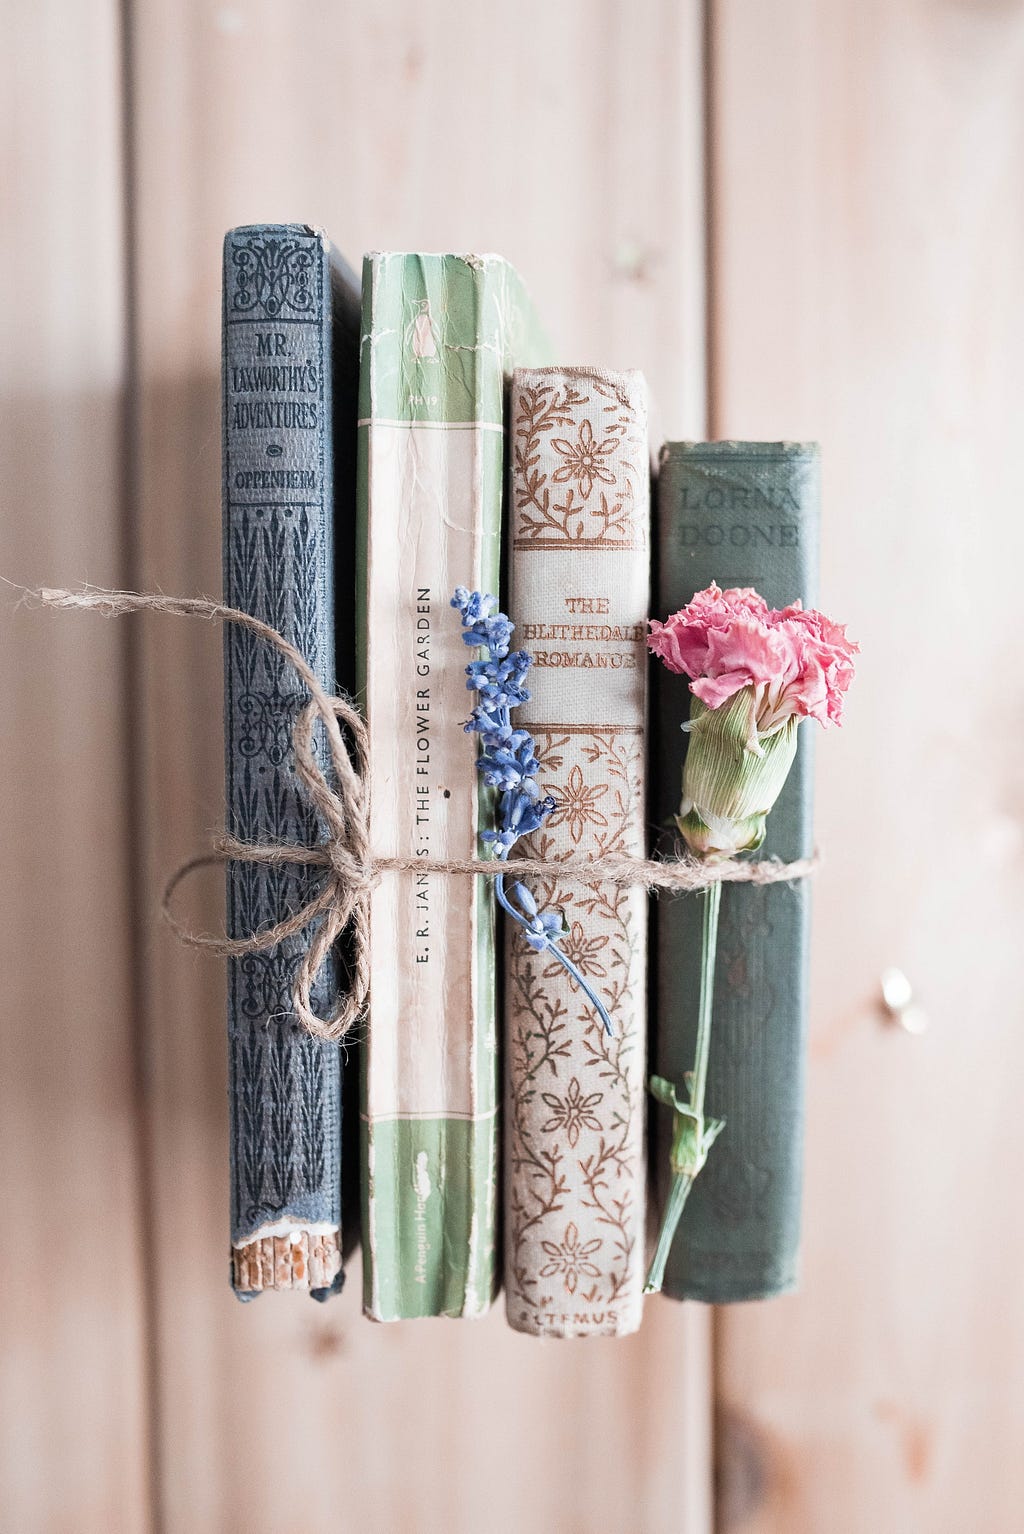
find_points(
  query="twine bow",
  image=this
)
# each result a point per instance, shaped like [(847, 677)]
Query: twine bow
[(351, 872), (349, 875)]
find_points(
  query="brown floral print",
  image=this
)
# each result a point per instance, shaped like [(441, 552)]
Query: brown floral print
[(574, 1103), (563, 1066), (572, 1112), (581, 949), (583, 459), (607, 449), (576, 804), (570, 1258)]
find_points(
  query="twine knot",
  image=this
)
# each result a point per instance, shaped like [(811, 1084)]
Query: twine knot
[(350, 876)]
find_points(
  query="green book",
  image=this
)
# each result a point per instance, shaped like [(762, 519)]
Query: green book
[(742, 514), (441, 333)]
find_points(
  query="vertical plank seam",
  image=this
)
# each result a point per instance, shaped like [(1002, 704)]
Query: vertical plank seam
[(130, 484), (712, 408), (712, 426)]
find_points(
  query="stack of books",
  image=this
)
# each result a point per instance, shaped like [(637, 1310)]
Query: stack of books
[(387, 440)]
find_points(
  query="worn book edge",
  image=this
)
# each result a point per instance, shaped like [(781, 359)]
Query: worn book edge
[(294, 1251), (438, 335)]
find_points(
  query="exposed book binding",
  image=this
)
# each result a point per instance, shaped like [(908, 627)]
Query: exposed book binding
[(290, 342), (574, 1101), (440, 333), (742, 514)]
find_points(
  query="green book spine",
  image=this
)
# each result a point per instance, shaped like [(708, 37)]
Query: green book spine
[(440, 334), (742, 514)]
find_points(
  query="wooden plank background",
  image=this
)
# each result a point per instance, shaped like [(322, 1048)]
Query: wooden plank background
[(867, 249), (74, 1383), (862, 240)]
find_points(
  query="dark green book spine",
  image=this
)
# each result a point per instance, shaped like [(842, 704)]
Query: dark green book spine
[(741, 514)]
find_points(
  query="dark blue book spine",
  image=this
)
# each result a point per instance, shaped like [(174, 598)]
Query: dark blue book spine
[(279, 560)]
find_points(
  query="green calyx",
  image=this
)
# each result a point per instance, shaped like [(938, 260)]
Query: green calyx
[(732, 776)]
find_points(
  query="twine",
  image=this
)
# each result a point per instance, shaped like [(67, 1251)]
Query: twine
[(351, 872)]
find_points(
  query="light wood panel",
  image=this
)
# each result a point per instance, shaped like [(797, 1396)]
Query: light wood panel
[(868, 241), (73, 1415), (567, 137)]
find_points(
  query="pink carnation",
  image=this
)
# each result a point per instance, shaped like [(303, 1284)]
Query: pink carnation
[(799, 661)]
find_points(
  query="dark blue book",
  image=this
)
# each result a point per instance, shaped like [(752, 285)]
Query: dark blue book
[(290, 375)]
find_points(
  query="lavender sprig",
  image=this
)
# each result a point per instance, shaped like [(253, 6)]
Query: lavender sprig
[(509, 765)]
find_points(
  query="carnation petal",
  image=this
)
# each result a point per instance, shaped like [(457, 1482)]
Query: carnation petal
[(681, 645), (747, 646), (716, 690), (798, 659)]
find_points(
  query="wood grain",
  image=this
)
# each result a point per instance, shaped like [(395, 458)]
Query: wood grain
[(575, 130), (869, 239), (73, 1408)]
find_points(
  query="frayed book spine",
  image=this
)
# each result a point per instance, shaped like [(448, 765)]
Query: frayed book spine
[(439, 335), (283, 291)]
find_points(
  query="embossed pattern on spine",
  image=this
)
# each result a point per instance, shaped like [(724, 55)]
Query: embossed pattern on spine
[(278, 565), (574, 1097), (743, 514)]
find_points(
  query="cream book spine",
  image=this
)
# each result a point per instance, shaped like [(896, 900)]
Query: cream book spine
[(574, 1095), (440, 333)]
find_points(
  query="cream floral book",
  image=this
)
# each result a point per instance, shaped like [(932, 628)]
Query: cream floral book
[(574, 1099)]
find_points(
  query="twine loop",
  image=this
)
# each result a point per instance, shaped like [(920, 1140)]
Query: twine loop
[(350, 871)]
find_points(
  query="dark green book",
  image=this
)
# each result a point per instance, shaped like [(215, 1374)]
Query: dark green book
[(741, 514)]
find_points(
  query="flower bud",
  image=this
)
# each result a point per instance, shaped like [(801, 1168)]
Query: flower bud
[(732, 776)]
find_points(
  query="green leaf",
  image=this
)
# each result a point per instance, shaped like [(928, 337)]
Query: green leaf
[(664, 1092)]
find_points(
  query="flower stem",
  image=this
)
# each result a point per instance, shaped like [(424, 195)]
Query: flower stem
[(677, 1196), (588, 990), (693, 1135), (551, 946), (708, 951)]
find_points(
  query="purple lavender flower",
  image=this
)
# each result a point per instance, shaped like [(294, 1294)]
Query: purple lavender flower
[(539, 928), (483, 625), (508, 764), (499, 682)]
